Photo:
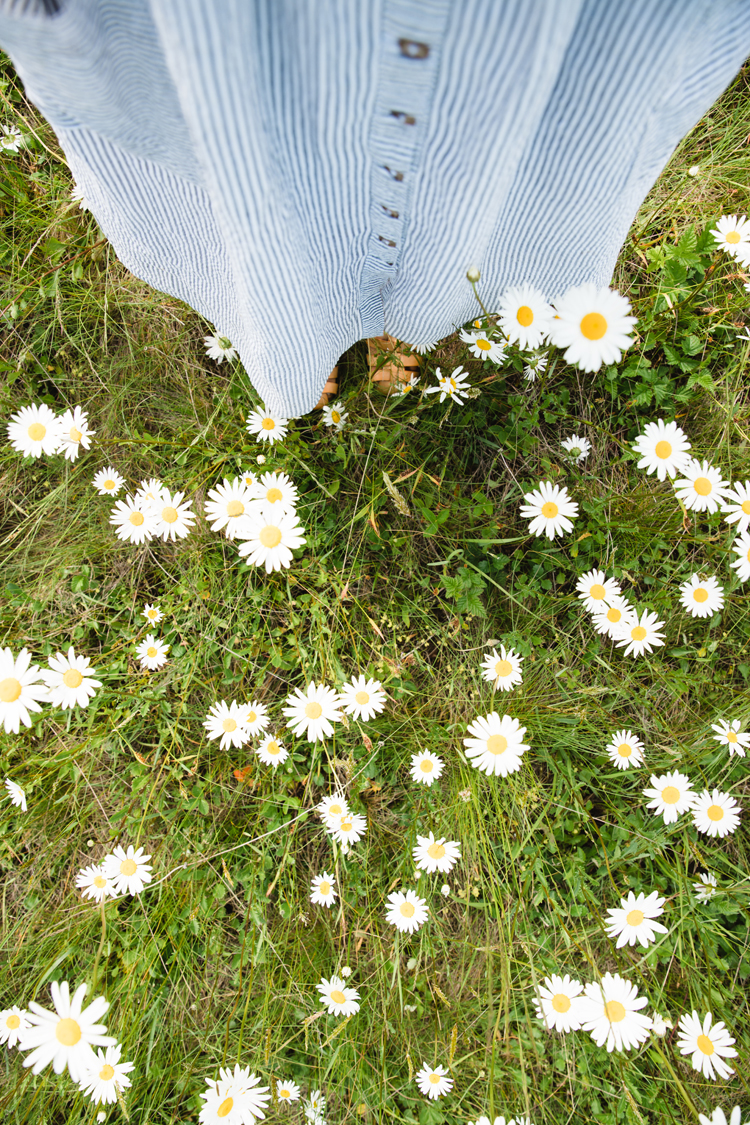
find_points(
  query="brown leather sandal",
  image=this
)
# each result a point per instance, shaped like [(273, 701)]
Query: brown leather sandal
[(391, 363), (330, 390)]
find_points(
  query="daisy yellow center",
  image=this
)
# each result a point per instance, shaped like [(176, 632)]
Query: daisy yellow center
[(100, 882), (497, 744), (593, 326), (225, 1108), (561, 1002), (346, 826), (269, 424), (705, 1045), (272, 748), (335, 416), (407, 910), (700, 595), (335, 810), (747, 556), (72, 678), (229, 725), (252, 717), (337, 996), (436, 851), (634, 917), (638, 633), (524, 316), (109, 484), (235, 508), (13, 1021), (426, 766), (483, 345), (152, 615), (731, 736), (362, 697), (745, 507), (614, 615), (503, 668), (10, 690), (37, 431), (151, 651), (702, 486), (733, 236), (136, 518), (624, 750), (550, 510), (614, 1011), (715, 812), (663, 449), (597, 592), (128, 867), (107, 1072), (270, 536), (273, 495), (285, 1093), (434, 1079), (313, 710), (67, 1032), (75, 435), (169, 514), (325, 888), (670, 795)]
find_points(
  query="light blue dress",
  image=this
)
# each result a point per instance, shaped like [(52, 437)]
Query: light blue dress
[(306, 173)]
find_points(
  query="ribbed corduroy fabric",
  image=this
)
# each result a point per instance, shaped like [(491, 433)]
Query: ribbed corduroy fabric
[(306, 173)]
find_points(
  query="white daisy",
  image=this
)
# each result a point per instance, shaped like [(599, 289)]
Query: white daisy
[(335, 415), (433, 855), (633, 919), (613, 617), (270, 539), (16, 794), (709, 1044), (67, 1036), (496, 745), (731, 232), (332, 807), (535, 366), (248, 478), (152, 652), (452, 386), (362, 698), (76, 196), (741, 547), (323, 892), (133, 520), (525, 316), (577, 447), (275, 492), (95, 884), (593, 325), (672, 795), (69, 680), (548, 507), (219, 348), (558, 1003), (267, 427), (272, 751), (596, 591), (663, 447), (228, 507), (718, 1117), (482, 346), (625, 750), (433, 1081), (11, 139), (406, 911), (407, 385), (660, 1026), (226, 722), (347, 829), (610, 1011), (287, 1091), (503, 671), (340, 1000), (107, 1077), (75, 433), (21, 687), (426, 767), (314, 1107), (701, 487), (152, 613), (150, 491), (715, 813), (129, 870), (173, 518), (639, 634), (13, 1024), (255, 717), (312, 711), (737, 506), (235, 1098), (108, 482), (702, 597), (34, 430), (706, 886), (728, 734)]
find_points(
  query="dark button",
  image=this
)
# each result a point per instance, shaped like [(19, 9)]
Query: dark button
[(410, 49), (394, 175), (405, 117), (387, 241), (389, 213)]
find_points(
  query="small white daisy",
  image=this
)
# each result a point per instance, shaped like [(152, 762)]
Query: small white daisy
[(67, 1036), (596, 591), (337, 997), (718, 1117), (536, 365), (610, 1010), (95, 884), (312, 711), (426, 767), (593, 325), (433, 1081), (335, 416), (34, 430), (21, 689), (133, 520), (129, 870), (452, 386), (323, 890), (525, 316), (702, 597), (255, 717), (226, 723), (172, 515), (152, 613), (706, 886), (219, 348), (13, 1024), (503, 671), (701, 487), (248, 478), (715, 813), (347, 829), (406, 911), (558, 1003), (75, 433), (482, 346), (550, 510), (741, 547), (639, 634), (709, 1044), (660, 1026), (362, 698), (108, 482), (235, 1098), (287, 1091), (16, 794), (445, 890), (736, 504), (672, 794), (76, 196), (577, 447), (633, 919), (433, 855), (267, 427), (625, 750), (269, 539), (70, 681), (228, 507), (108, 1077), (150, 491), (314, 1107), (346, 971), (407, 385), (332, 807), (731, 232), (613, 617), (728, 734), (272, 751), (496, 744), (276, 493), (11, 139), (152, 652), (663, 447)]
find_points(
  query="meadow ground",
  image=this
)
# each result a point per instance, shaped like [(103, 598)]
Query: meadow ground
[(218, 960)]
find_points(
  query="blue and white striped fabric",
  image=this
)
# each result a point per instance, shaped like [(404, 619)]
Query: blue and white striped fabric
[(306, 173)]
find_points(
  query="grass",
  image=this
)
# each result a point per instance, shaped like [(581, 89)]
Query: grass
[(218, 961)]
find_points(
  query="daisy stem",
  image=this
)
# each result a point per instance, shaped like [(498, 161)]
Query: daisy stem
[(99, 950)]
